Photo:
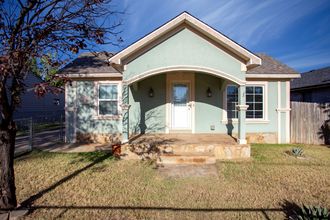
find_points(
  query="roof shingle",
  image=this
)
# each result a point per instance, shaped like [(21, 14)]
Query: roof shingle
[(270, 65), (312, 78), (88, 63)]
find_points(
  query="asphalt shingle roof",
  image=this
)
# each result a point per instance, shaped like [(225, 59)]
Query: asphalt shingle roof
[(270, 65), (88, 63), (312, 78)]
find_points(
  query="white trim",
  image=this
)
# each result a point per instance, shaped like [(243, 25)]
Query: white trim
[(287, 114), (242, 107), (283, 109), (195, 23), (240, 141), (183, 68), (96, 99), (278, 112), (264, 120), (282, 76), (75, 111)]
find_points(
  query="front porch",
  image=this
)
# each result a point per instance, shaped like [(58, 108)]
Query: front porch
[(153, 146)]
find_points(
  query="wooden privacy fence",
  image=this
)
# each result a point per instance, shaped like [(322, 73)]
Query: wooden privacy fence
[(310, 123)]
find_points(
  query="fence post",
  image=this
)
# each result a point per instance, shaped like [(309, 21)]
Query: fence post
[(61, 129), (31, 134)]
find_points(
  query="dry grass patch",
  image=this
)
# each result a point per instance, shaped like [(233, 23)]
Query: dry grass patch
[(98, 186)]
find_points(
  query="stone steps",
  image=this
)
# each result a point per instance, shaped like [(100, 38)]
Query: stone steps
[(187, 158)]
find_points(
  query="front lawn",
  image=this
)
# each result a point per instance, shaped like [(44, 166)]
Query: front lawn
[(98, 186)]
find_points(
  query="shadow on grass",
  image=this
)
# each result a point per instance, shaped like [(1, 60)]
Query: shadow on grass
[(286, 209), (95, 158), (290, 208)]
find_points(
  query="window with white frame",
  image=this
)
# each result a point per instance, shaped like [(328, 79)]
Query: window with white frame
[(108, 101), (232, 101), (254, 98)]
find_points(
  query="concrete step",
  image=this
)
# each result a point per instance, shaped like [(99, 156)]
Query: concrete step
[(187, 158)]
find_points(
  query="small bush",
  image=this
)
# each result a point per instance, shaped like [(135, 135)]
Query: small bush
[(312, 213), (297, 152)]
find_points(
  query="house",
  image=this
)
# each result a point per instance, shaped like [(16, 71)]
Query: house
[(184, 77), (50, 104), (313, 86)]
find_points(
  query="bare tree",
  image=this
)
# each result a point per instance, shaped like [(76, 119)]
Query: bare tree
[(37, 28)]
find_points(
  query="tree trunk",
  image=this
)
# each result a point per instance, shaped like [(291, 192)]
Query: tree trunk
[(7, 182)]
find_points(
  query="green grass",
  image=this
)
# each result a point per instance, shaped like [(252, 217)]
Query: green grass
[(98, 186)]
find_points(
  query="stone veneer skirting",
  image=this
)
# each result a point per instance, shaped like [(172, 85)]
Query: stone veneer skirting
[(100, 138), (261, 138), (150, 151)]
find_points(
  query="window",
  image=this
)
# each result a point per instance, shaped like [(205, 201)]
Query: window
[(108, 100), (254, 98), (56, 101), (232, 101)]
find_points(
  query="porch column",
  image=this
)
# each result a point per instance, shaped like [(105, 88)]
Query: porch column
[(125, 112), (241, 107)]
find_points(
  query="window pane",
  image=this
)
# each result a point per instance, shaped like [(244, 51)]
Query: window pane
[(258, 114), (258, 106), (249, 98), (251, 106), (258, 90), (249, 90), (108, 91), (249, 114), (231, 98), (231, 114), (231, 90), (258, 98), (231, 106), (108, 108)]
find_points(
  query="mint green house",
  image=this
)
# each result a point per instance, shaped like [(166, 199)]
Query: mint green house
[(184, 77)]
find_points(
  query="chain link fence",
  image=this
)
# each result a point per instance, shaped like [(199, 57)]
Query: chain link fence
[(38, 132)]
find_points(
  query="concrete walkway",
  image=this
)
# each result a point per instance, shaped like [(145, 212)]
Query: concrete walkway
[(188, 170)]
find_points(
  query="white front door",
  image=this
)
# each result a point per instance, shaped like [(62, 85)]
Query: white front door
[(181, 113)]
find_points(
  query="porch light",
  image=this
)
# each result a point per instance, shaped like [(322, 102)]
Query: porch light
[(209, 92), (151, 92)]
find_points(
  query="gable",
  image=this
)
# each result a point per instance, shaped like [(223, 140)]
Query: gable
[(183, 48), (250, 60)]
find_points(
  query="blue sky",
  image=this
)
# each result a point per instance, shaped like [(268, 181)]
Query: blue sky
[(295, 32)]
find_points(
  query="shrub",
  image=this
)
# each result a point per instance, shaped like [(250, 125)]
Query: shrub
[(297, 152), (312, 213)]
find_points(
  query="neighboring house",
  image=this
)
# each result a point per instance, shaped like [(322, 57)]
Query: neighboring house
[(50, 104), (184, 77), (313, 86)]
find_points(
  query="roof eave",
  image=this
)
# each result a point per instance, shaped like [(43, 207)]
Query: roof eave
[(282, 76)]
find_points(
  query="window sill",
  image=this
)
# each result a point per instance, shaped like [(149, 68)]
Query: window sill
[(248, 121), (107, 117)]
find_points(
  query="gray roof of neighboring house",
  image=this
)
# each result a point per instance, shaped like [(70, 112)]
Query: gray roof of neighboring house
[(270, 65), (88, 63), (312, 78)]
